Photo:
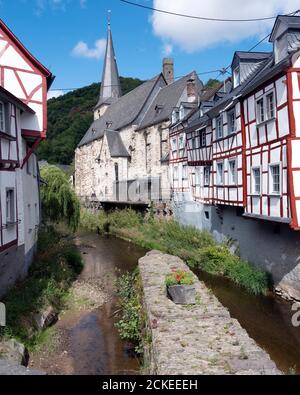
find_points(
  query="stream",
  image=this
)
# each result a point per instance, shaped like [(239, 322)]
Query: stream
[(87, 342)]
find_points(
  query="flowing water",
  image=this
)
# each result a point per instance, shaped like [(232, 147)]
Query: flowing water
[(91, 342)]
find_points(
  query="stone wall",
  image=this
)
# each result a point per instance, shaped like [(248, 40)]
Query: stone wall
[(271, 246), (194, 340)]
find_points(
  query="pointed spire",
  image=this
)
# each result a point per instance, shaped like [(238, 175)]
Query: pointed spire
[(110, 86)]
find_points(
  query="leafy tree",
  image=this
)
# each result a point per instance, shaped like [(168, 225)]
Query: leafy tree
[(59, 201), (69, 117), (212, 83)]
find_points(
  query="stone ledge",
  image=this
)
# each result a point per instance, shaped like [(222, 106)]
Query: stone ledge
[(195, 340)]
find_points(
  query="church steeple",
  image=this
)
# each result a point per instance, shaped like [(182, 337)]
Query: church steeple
[(110, 87)]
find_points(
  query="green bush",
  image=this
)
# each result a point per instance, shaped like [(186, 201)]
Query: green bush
[(50, 278), (130, 325), (127, 218)]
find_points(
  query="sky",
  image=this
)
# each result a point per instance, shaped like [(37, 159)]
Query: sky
[(69, 36)]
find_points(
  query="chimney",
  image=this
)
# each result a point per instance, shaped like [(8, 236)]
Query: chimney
[(168, 70), (191, 90)]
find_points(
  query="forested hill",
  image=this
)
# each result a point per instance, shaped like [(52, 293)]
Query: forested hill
[(69, 117)]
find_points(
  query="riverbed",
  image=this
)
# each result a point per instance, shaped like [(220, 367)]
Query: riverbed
[(85, 340)]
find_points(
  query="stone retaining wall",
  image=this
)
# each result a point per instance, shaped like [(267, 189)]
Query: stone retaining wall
[(201, 339)]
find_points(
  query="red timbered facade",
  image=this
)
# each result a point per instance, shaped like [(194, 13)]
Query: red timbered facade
[(243, 148), (23, 123)]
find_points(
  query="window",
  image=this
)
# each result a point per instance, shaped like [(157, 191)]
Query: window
[(184, 172), (34, 166), (270, 106), (232, 172), (181, 146), (266, 108), (231, 121), (236, 77), (175, 115), (182, 113), (206, 176), (260, 110), (220, 173), (203, 138), (275, 179), (198, 176), (256, 181), (10, 206), (174, 145), (175, 174), (2, 117), (219, 127)]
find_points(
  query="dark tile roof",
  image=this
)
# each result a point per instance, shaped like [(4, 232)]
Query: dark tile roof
[(116, 147), (168, 98), (252, 55), (121, 113)]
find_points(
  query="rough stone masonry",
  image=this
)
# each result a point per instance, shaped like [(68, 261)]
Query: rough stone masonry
[(195, 340)]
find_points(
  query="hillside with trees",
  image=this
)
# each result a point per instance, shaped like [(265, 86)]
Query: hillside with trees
[(69, 117)]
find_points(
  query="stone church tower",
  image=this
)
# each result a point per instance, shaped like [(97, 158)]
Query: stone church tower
[(110, 90)]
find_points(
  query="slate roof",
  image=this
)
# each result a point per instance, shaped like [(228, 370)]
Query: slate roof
[(121, 113), (110, 90), (168, 98), (252, 55), (116, 147)]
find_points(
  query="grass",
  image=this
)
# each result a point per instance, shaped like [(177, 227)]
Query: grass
[(56, 267), (198, 249)]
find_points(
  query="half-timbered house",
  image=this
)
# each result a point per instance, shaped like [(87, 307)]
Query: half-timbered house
[(243, 156), (23, 124)]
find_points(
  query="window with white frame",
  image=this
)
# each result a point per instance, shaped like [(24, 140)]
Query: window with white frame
[(184, 172), (266, 107), (175, 115), (206, 176), (219, 127), (203, 138), (231, 121), (174, 145), (198, 176), (232, 172), (256, 181), (220, 173), (260, 110), (275, 179), (236, 77), (175, 173), (270, 105), (181, 146), (2, 117), (181, 112), (10, 206)]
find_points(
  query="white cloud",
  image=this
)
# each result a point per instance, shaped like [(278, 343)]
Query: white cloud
[(192, 35), (54, 94), (82, 50), (167, 49)]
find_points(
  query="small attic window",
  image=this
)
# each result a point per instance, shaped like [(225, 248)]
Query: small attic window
[(236, 77), (108, 125), (158, 109)]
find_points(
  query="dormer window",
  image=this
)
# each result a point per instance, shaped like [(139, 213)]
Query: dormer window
[(175, 115), (182, 113), (158, 109), (236, 77)]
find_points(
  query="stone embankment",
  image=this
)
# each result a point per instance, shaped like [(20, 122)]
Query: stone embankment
[(202, 339)]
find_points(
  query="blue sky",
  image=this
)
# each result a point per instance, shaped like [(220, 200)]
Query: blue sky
[(51, 29)]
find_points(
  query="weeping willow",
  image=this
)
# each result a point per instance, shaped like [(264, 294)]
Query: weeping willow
[(59, 201)]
